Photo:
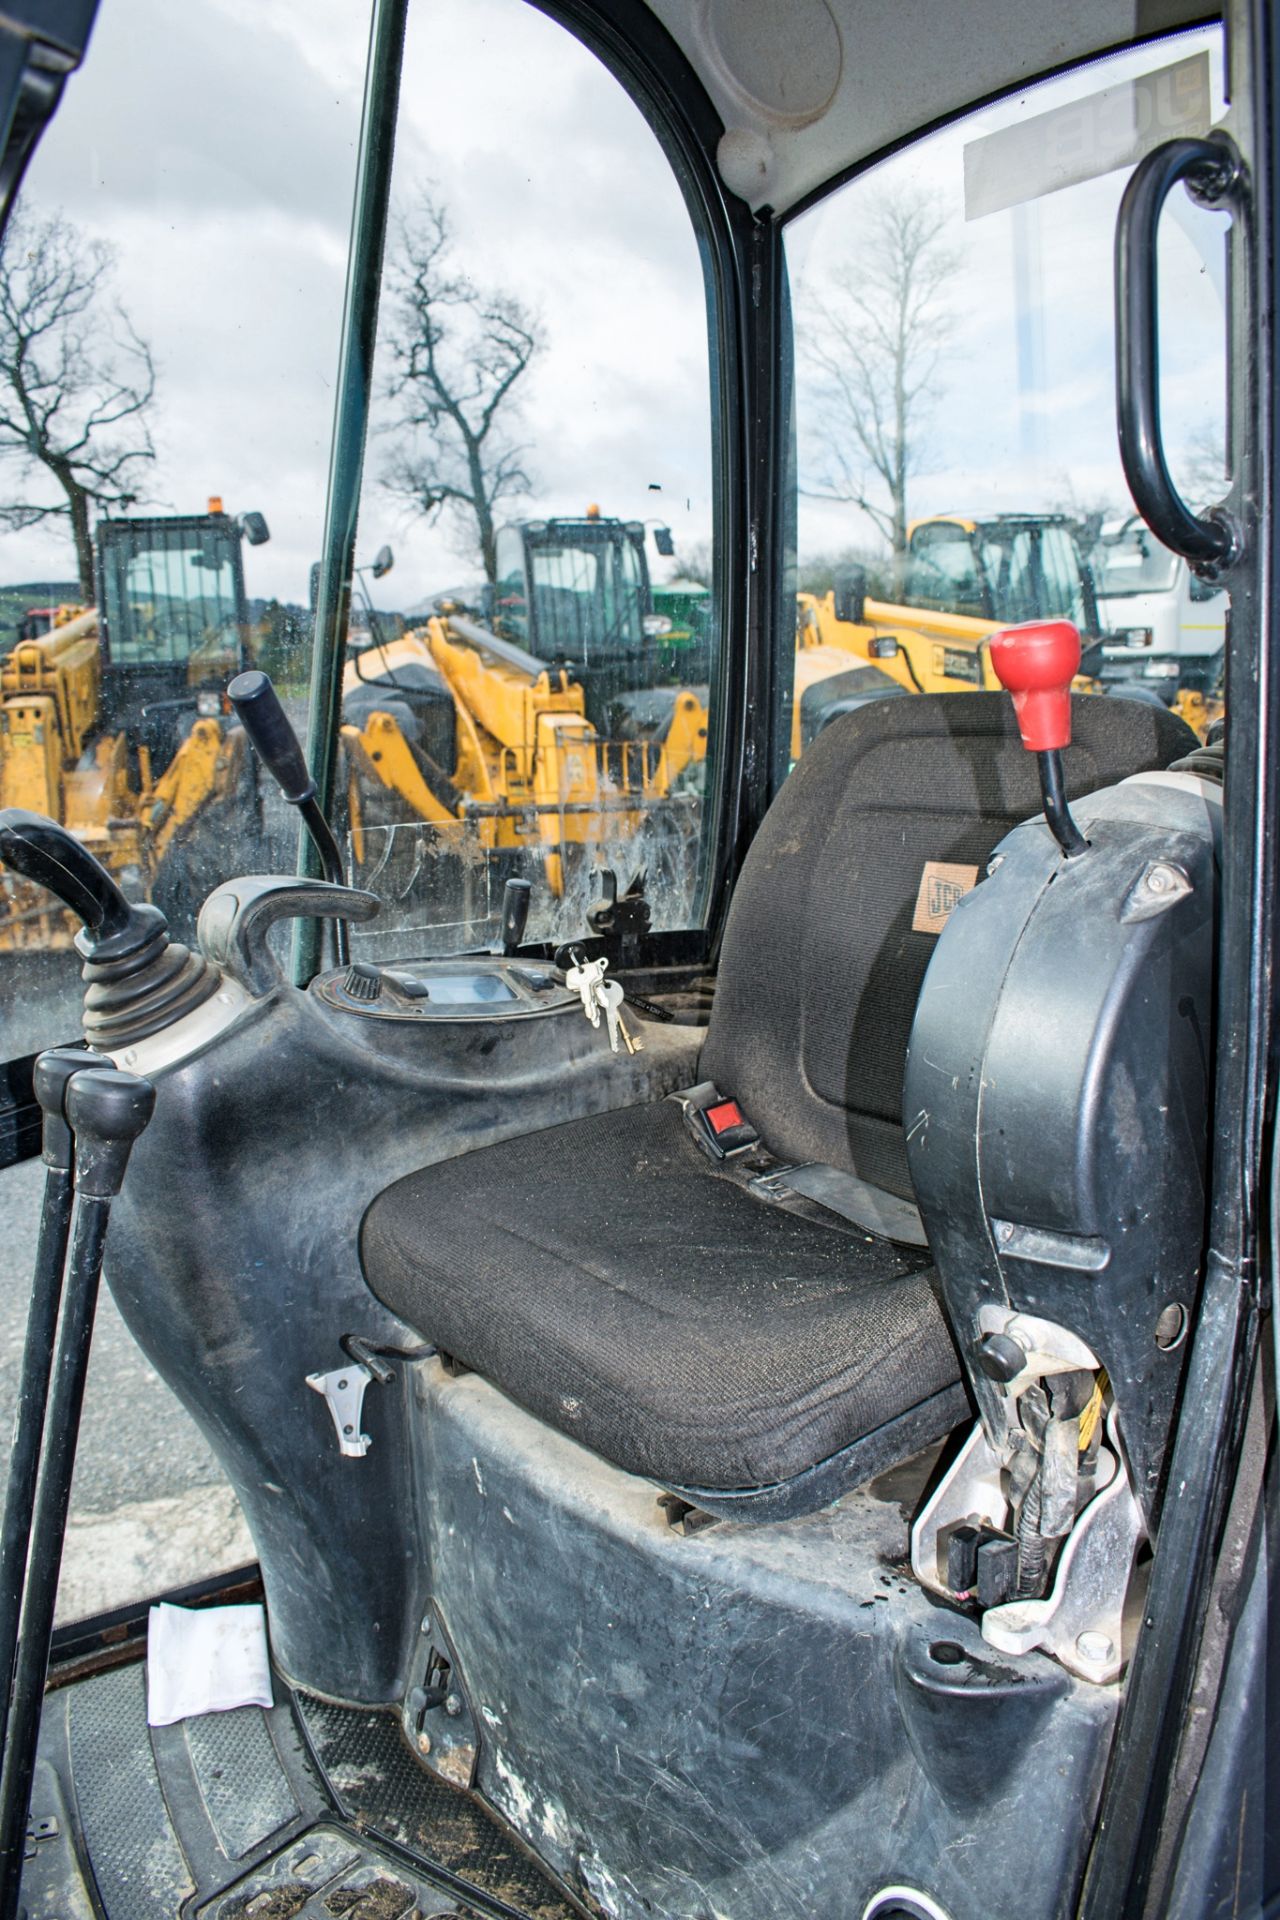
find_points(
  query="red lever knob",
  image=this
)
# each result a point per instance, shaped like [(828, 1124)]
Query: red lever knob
[(1037, 664)]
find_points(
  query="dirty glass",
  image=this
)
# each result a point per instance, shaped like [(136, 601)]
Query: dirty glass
[(170, 301), (540, 460), (955, 392)]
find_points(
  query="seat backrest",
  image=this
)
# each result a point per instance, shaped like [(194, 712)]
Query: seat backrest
[(826, 944)]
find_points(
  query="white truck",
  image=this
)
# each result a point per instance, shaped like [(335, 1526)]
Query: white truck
[(1163, 626)]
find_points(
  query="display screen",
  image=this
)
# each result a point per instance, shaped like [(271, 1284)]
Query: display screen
[(467, 989)]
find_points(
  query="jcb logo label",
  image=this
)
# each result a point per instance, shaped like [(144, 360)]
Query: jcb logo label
[(942, 884)]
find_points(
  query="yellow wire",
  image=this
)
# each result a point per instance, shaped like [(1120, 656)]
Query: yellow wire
[(1093, 1411)]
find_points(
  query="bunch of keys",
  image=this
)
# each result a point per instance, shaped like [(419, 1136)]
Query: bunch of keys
[(598, 995)]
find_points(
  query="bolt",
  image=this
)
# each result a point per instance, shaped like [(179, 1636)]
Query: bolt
[(993, 864), (453, 1705), (1006, 1231), (342, 1386), (424, 1743), (427, 1623), (348, 1428), (1158, 879), (1097, 1648)]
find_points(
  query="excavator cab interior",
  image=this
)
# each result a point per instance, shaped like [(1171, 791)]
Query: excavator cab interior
[(763, 1406)]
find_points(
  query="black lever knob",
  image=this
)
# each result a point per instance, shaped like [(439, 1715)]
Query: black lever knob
[(107, 1110), (268, 726), (515, 913), (53, 1071)]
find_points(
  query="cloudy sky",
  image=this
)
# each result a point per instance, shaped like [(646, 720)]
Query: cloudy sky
[(992, 438), (212, 144)]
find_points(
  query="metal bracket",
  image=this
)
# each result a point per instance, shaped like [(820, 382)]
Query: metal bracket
[(343, 1393), (1079, 1622)]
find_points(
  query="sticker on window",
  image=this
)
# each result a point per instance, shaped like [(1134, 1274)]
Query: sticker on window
[(941, 886), (1086, 138)]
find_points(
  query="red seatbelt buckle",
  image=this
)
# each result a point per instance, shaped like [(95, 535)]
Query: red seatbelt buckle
[(717, 1122)]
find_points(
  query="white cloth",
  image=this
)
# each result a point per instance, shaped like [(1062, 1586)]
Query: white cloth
[(205, 1660)]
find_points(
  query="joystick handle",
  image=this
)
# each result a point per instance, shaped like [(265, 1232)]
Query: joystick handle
[(268, 726), (1036, 664)]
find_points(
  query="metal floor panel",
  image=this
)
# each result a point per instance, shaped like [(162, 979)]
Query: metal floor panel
[(305, 1812)]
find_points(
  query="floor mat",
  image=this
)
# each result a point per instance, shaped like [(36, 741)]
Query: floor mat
[(303, 1812)]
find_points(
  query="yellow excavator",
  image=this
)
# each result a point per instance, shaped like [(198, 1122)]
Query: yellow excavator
[(546, 725), (112, 721), (961, 580)]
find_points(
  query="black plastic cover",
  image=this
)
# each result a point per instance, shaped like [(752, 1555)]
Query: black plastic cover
[(1057, 1093)]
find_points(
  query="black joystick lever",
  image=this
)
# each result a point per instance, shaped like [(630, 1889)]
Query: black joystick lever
[(268, 726), (515, 913), (1036, 664), (138, 980)]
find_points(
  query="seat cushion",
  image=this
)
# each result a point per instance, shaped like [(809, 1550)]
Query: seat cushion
[(607, 1277)]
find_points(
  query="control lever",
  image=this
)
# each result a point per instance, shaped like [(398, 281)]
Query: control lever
[(43, 852), (515, 913), (137, 979), (106, 1111), (268, 726), (1036, 664), (52, 1072)]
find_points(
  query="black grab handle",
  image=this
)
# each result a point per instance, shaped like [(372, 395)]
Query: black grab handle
[(1214, 175)]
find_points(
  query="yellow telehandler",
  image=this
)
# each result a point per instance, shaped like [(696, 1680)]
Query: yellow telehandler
[(539, 729), (112, 721)]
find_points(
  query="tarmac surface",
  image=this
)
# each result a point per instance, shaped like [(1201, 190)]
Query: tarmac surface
[(150, 1508)]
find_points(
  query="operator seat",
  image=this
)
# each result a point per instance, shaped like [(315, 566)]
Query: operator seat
[(614, 1280)]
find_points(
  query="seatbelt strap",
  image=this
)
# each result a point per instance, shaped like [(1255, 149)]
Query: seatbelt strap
[(881, 1213), (722, 1131)]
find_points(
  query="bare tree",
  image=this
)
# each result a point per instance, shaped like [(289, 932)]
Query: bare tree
[(1200, 471), (75, 383), (458, 352), (876, 345)]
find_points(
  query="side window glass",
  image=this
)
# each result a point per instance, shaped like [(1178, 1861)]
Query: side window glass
[(540, 458), (955, 394), (171, 293)]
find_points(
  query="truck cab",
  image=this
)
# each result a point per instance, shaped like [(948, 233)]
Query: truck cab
[(1165, 626)]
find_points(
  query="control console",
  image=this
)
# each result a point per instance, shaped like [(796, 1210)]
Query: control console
[(469, 987)]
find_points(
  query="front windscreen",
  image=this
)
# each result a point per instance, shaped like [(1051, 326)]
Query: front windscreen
[(587, 599), (169, 596)]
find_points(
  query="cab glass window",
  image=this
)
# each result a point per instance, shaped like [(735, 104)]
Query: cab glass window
[(171, 290), (955, 393), (529, 692)]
